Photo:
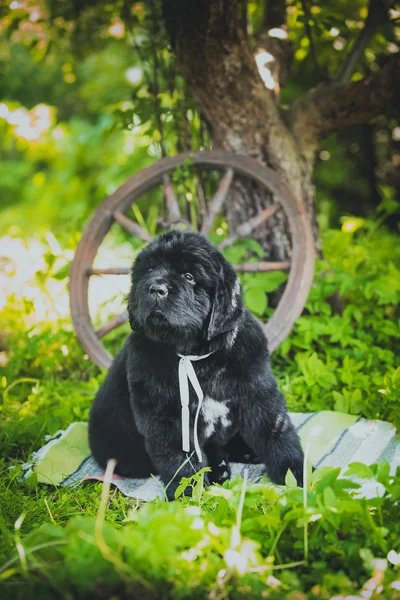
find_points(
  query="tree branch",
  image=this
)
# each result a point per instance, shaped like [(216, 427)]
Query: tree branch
[(274, 14), (332, 107), (377, 15), (323, 73)]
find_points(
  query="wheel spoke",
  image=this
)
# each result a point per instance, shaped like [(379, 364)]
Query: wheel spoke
[(217, 200), (201, 195), (174, 213), (113, 324), (132, 227), (109, 271), (263, 215), (245, 229), (262, 266)]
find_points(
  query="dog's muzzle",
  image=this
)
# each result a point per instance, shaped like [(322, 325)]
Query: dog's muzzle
[(158, 290)]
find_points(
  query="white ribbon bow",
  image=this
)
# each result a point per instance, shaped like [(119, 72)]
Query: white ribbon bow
[(187, 373)]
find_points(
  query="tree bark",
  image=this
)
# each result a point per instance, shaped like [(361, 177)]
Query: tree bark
[(332, 107), (217, 62), (242, 114)]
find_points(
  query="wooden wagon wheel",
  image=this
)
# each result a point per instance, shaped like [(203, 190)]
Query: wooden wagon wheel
[(300, 267)]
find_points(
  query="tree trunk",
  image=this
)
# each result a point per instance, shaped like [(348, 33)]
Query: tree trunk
[(241, 112), (238, 93)]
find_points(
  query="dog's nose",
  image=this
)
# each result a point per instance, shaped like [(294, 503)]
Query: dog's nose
[(159, 289)]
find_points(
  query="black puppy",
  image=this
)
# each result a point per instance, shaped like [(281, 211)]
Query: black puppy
[(185, 301)]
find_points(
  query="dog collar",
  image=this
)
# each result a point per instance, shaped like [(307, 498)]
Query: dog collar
[(187, 373)]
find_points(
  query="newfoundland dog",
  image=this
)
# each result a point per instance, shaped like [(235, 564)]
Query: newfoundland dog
[(194, 379)]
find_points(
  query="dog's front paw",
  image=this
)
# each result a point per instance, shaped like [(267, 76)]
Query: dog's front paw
[(171, 489), (220, 471), (299, 474)]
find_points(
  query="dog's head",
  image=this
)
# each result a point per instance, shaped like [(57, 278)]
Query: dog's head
[(182, 285)]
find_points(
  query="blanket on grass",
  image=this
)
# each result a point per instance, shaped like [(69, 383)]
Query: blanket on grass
[(334, 439)]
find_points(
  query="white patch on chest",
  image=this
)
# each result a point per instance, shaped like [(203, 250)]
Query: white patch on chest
[(213, 412)]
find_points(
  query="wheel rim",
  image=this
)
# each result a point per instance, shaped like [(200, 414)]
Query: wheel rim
[(301, 267)]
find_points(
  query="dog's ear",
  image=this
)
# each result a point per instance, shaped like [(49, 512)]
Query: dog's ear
[(227, 306), (131, 312)]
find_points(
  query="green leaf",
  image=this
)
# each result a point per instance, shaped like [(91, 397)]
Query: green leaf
[(309, 474), (383, 471), (255, 247), (271, 281), (341, 403), (290, 480), (256, 300), (235, 254), (359, 470), (356, 402), (324, 477), (367, 557), (185, 482), (329, 497), (8, 573), (63, 272)]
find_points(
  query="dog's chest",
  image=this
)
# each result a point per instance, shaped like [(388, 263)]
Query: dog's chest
[(216, 416), (216, 410)]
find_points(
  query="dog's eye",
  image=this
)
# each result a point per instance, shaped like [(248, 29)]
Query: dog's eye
[(189, 276)]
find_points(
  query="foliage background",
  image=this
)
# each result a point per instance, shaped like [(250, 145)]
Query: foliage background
[(78, 115)]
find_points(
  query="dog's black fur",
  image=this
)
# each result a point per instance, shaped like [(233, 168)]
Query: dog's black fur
[(186, 298)]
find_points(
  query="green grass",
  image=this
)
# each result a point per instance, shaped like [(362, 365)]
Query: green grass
[(239, 541)]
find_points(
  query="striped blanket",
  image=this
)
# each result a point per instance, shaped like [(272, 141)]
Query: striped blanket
[(333, 439)]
